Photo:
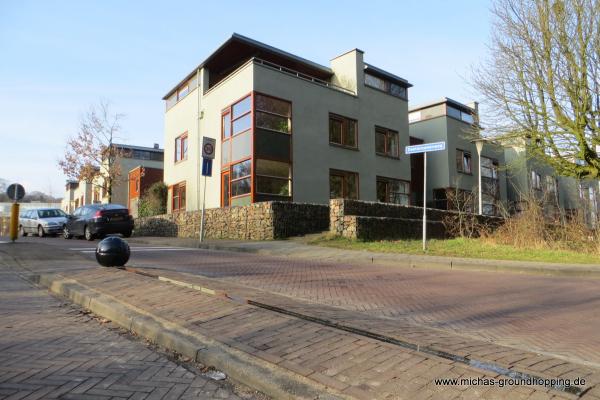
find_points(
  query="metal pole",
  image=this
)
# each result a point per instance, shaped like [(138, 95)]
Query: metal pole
[(480, 199), (203, 208), (424, 200)]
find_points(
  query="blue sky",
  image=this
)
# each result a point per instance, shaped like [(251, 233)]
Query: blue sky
[(57, 58)]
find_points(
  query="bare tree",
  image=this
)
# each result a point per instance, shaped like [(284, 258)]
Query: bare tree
[(91, 154), (541, 83)]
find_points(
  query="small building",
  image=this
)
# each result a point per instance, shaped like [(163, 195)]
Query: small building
[(77, 194), (287, 129), (130, 157), (140, 179), (452, 175)]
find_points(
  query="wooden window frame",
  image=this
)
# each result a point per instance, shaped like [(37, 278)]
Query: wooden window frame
[(183, 154), (343, 174), (344, 121), (462, 158), (387, 180), (256, 110), (387, 133), (178, 187)]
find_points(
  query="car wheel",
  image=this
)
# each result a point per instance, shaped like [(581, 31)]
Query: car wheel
[(41, 232), (127, 234), (88, 234), (66, 233), (22, 231)]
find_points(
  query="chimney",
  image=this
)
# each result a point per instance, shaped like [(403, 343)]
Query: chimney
[(475, 106), (156, 146)]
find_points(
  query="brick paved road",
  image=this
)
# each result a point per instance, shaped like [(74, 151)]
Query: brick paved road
[(557, 315), (51, 350), (549, 314)]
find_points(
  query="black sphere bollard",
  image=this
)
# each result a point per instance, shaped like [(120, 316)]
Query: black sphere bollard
[(112, 252)]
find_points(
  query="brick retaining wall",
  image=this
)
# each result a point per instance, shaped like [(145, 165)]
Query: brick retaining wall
[(258, 221), (368, 220)]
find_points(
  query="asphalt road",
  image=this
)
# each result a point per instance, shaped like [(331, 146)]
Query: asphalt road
[(554, 315)]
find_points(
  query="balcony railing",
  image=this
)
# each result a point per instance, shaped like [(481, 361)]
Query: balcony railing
[(300, 75)]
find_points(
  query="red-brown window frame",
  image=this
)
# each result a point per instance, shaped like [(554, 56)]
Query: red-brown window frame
[(387, 132), (179, 187), (183, 153), (387, 179), (344, 121), (343, 174)]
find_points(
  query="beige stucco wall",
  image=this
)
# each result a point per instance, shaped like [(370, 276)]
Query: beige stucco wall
[(182, 117)]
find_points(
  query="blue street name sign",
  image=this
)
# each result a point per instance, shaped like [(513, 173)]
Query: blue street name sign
[(425, 147), (207, 167)]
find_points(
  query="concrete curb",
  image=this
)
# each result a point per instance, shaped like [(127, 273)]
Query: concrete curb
[(267, 378)]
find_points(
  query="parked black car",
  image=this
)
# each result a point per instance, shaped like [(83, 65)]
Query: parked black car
[(98, 220)]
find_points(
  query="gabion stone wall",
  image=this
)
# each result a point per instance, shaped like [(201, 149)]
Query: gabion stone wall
[(373, 220), (258, 221)]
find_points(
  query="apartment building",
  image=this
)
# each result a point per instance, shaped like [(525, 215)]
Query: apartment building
[(129, 157), (77, 194), (453, 175), (287, 129), (529, 178), (140, 180), (81, 193)]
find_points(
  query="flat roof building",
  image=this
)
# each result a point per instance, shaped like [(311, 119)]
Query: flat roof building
[(286, 129)]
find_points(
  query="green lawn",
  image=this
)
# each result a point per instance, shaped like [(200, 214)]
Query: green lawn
[(461, 247)]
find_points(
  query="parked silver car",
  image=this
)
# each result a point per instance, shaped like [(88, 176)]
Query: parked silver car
[(42, 221)]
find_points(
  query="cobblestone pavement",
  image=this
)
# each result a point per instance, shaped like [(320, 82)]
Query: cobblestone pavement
[(49, 349)]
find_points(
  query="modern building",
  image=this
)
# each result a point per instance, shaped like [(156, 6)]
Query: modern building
[(77, 194), (287, 129), (130, 157), (453, 175), (140, 180), (529, 178), (80, 193)]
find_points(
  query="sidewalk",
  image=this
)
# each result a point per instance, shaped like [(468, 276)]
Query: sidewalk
[(298, 248)]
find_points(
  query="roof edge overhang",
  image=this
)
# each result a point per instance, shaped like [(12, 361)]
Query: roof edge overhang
[(387, 75), (236, 37)]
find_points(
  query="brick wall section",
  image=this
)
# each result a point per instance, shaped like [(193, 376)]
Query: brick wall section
[(373, 220), (258, 221)]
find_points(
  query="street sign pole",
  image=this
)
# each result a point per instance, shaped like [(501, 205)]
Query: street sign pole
[(208, 155), (424, 149), (203, 210), (424, 201)]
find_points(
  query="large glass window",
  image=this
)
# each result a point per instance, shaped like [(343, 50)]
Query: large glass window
[(463, 161), (536, 180), (181, 147), (273, 177), (342, 131), (343, 184), (241, 115), (393, 191), (384, 85), (273, 114), (386, 142), (489, 168), (241, 178)]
